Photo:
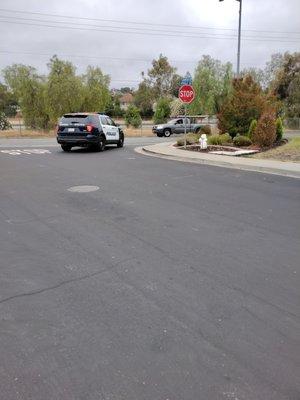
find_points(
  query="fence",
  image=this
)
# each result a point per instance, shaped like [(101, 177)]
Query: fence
[(292, 123)]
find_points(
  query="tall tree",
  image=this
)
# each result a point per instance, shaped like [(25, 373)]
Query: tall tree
[(29, 88), (8, 102), (212, 83), (64, 89), (96, 94), (286, 83), (144, 98), (162, 77), (272, 67), (258, 75)]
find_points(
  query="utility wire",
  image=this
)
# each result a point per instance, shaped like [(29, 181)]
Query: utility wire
[(138, 30), (149, 33), (141, 23), (194, 62)]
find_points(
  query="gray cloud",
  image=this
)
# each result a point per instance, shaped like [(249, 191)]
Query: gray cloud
[(80, 46)]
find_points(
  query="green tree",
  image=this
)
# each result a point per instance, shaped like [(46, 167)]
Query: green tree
[(126, 89), (133, 117), (212, 84), (64, 90), (293, 99), (162, 77), (286, 83), (177, 107), (272, 68), (96, 94), (4, 123), (162, 111), (8, 102), (144, 98), (29, 89), (113, 108)]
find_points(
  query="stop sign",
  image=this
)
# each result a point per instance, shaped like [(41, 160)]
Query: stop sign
[(186, 93)]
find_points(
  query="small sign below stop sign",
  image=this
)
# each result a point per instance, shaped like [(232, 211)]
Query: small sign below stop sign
[(186, 93)]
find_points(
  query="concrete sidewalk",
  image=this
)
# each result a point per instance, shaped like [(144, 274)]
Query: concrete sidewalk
[(167, 150)]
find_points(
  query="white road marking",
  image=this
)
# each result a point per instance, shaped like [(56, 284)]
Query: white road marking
[(83, 188), (18, 152)]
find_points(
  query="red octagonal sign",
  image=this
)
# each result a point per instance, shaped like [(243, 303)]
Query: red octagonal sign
[(186, 93)]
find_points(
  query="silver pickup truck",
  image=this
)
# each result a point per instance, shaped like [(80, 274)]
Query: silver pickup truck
[(176, 125)]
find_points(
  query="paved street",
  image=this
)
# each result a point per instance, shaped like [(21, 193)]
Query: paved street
[(172, 281)]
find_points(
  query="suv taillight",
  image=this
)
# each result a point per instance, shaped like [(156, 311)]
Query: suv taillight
[(89, 128)]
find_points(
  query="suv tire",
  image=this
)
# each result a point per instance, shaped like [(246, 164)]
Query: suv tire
[(167, 132), (66, 147), (120, 142), (101, 144)]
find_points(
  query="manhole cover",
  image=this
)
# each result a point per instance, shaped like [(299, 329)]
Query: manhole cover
[(83, 189)]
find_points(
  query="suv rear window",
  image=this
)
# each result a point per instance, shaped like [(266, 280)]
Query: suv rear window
[(79, 119)]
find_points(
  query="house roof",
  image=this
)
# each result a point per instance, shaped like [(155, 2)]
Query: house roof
[(126, 98)]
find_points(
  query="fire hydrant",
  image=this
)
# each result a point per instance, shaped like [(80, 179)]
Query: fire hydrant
[(203, 141)]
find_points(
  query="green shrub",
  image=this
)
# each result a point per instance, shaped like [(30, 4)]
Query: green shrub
[(252, 128), (191, 138), (133, 117), (4, 123), (205, 129), (241, 140), (279, 129), (214, 140), (219, 140), (225, 138), (265, 133)]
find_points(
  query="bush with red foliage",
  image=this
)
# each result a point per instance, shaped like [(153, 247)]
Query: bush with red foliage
[(246, 103), (265, 133)]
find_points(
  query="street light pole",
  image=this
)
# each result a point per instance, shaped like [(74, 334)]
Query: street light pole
[(239, 40)]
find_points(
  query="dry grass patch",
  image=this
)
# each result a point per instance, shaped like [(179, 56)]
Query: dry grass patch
[(286, 152), (26, 133)]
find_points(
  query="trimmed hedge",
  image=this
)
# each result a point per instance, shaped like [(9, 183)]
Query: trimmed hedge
[(241, 140), (219, 140)]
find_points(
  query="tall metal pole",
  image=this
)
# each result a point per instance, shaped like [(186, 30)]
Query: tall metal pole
[(239, 40), (185, 125)]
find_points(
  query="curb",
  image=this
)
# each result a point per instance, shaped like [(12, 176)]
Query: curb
[(145, 150)]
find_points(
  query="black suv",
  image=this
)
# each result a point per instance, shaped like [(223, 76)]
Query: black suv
[(94, 130)]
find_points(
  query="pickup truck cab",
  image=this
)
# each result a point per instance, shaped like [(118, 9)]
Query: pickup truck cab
[(93, 130), (176, 126)]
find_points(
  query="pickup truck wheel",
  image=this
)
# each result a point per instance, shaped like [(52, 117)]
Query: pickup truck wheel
[(167, 132)]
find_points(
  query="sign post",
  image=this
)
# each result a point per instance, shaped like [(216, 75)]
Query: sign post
[(186, 95)]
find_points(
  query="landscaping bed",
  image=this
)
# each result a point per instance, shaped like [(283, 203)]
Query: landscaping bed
[(220, 150)]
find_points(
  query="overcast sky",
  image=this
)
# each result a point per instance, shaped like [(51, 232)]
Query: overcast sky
[(21, 42)]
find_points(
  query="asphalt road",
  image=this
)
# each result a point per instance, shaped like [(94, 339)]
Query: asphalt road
[(172, 281)]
